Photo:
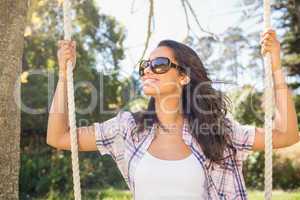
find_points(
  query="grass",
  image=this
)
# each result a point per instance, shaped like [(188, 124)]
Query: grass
[(276, 195), (112, 194)]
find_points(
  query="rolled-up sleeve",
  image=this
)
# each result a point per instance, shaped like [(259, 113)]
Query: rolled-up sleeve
[(242, 137), (111, 134)]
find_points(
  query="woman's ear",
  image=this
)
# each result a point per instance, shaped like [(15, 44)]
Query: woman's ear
[(186, 79)]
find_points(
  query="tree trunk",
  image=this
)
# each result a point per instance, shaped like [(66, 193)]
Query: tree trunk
[(12, 23), (297, 11)]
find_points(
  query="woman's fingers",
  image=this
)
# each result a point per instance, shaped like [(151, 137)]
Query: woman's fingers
[(270, 44), (66, 52), (267, 46), (269, 31), (267, 39), (265, 50), (68, 49), (66, 43)]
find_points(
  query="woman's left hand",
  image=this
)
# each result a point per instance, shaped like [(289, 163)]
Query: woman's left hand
[(269, 43)]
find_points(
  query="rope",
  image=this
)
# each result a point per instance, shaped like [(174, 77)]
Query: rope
[(269, 108), (71, 104), (268, 113)]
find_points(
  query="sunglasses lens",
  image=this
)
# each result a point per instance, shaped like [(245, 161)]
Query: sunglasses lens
[(142, 66), (160, 65)]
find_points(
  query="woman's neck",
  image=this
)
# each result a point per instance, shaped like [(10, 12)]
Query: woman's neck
[(169, 112)]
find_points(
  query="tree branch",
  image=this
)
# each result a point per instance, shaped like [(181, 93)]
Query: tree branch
[(149, 32), (216, 37), (186, 19)]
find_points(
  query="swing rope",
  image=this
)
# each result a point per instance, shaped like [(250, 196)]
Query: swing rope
[(71, 104), (269, 107), (267, 120)]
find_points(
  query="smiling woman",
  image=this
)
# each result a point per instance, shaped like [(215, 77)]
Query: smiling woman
[(187, 115), (186, 118), (186, 140)]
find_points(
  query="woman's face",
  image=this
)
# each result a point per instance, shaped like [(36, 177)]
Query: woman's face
[(162, 84)]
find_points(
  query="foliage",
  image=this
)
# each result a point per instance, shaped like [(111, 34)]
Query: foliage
[(47, 172), (99, 39), (289, 20), (223, 57), (44, 170), (286, 174)]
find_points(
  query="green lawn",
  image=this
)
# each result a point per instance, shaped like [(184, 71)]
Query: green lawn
[(112, 194), (276, 195)]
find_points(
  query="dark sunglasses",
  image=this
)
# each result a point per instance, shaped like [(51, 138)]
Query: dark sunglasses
[(158, 65)]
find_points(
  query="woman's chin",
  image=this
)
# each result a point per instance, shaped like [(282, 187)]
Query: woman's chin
[(150, 91)]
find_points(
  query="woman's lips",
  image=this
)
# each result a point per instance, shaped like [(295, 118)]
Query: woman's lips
[(149, 81)]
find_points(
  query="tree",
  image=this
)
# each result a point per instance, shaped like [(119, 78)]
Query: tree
[(286, 21), (12, 16), (224, 58), (99, 40), (290, 22)]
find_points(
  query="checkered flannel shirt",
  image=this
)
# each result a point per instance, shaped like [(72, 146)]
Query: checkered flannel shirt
[(226, 182)]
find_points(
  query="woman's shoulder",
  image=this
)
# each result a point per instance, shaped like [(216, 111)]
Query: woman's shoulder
[(123, 120), (126, 115), (239, 128)]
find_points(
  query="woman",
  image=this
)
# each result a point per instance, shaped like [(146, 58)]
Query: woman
[(184, 146)]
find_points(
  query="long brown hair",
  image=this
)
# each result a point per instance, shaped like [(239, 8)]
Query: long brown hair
[(200, 106)]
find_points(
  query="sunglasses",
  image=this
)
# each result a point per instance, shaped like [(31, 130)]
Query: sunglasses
[(158, 65)]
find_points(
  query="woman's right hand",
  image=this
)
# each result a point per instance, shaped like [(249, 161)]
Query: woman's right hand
[(66, 52)]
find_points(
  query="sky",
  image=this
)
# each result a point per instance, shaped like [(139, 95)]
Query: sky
[(170, 23)]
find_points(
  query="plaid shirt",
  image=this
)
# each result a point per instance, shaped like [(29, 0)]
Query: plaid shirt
[(113, 137)]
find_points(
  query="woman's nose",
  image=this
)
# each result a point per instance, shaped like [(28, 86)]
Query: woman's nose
[(147, 70)]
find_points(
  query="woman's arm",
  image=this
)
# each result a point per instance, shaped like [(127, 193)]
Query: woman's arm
[(58, 134), (58, 123), (285, 131)]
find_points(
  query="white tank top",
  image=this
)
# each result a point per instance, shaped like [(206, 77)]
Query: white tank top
[(157, 179)]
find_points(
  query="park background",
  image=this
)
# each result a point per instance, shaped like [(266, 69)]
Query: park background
[(111, 37)]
